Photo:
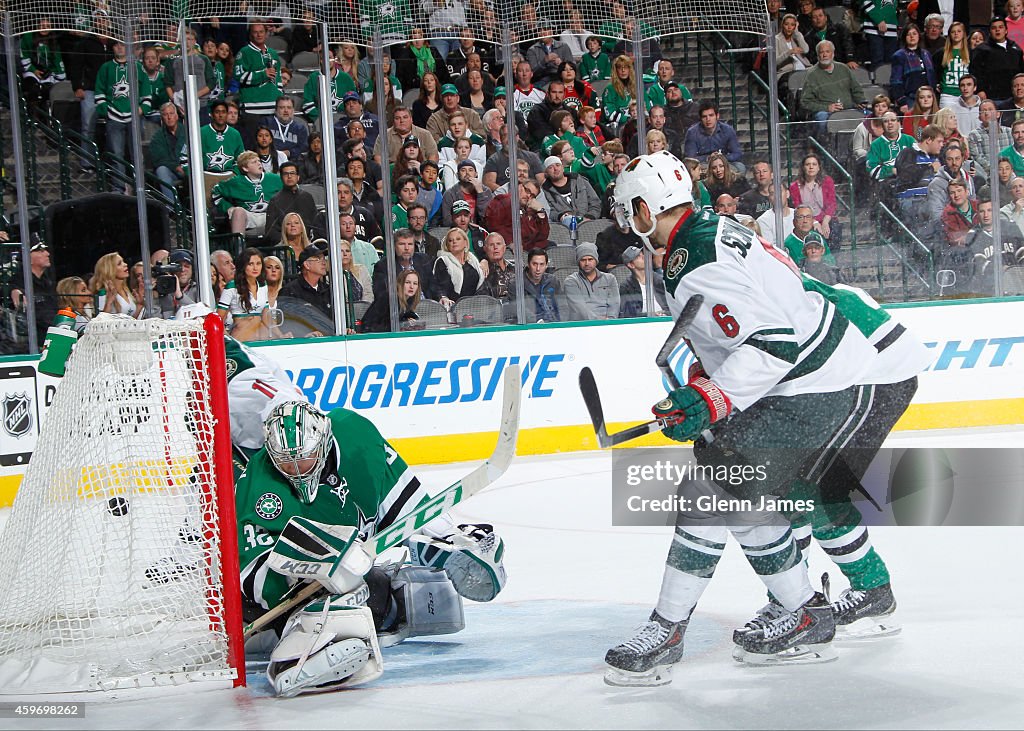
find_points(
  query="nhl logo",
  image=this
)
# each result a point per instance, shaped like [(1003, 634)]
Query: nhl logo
[(269, 506), (17, 414)]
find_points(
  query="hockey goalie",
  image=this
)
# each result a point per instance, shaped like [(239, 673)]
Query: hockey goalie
[(319, 486)]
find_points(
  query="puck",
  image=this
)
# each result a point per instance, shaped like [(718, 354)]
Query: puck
[(118, 506)]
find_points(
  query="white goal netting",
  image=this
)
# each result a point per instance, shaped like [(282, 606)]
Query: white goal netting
[(109, 562)]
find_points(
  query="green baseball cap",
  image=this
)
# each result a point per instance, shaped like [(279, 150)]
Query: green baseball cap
[(500, 91), (449, 89)]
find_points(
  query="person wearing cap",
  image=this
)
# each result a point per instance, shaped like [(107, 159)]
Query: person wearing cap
[(461, 217), (657, 92), (290, 199), (501, 105), (468, 189), (188, 288), (437, 125), (680, 114), (547, 54), (44, 289), (803, 233), (311, 285), (340, 84), (995, 62), (590, 293), (633, 291), (815, 265), (401, 129), (258, 73), (569, 195), (354, 112), (458, 129)]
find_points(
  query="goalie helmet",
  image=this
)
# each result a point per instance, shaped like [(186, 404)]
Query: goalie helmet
[(298, 440), (659, 180)]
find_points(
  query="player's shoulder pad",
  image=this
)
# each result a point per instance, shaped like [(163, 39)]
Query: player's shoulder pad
[(692, 247)]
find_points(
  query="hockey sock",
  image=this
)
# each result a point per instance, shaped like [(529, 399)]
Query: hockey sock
[(851, 550), (773, 554), (691, 563)]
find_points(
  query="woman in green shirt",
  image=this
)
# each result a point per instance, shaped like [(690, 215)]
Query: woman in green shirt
[(616, 97), (951, 63)]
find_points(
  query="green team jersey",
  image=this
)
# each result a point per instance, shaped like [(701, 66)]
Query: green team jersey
[(242, 191), (1015, 158), (220, 149), (39, 55), (158, 89), (882, 153), (219, 88), (615, 106), (365, 484), (448, 143), (112, 100), (880, 11), (399, 217), (656, 94), (596, 68), (391, 16), (258, 93), (795, 247), (951, 73), (311, 93)]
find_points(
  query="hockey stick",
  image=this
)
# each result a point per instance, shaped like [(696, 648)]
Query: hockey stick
[(592, 398), (492, 469)]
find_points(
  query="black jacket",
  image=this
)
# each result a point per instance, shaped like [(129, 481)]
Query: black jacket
[(994, 67), (611, 244), (83, 64), (285, 202), (840, 37), (539, 120), (631, 298), (300, 289), (420, 262)]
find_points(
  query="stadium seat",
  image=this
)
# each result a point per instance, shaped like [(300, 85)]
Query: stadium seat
[(439, 232), (432, 314), (559, 235), (562, 258), (306, 62), (279, 44), (621, 274), (318, 192), (882, 74), (588, 231), (484, 309), (359, 309), (296, 83), (861, 75)]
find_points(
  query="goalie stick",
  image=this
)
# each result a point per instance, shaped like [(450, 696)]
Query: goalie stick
[(459, 491), (592, 398)]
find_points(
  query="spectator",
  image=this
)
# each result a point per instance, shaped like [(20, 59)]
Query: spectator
[(457, 272), (790, 47), (575, 36), (547, 54), (457, 60), (354, 271), (699, 190), (341, 84), (496, 171), (73, 294), (174, 78), (725, 205), (979, 239), (617, 95), (42, 66), (953, 169), (493, 122), (258, 73), (565, 130), (589, 131), (829, 87), (410, 157), (424, 241), (378, 316), (951, 63), (915, 168), (595, 65), (756, 201), (946, 120), (462, 218), (406, 259), (721, 178), (367, 227), (711, 135), (499, 276), (922, 113), (539, 119), (401, 130), (501, 105), (823, 29), (363, 192), (967, 105), (407, 190), (803, 17), (541, 289), (633, 292), (270, 157), (658, 122), (533, 220), (245, 197), (445, 16), (882, 153), (978, 140), (591, 294), (362, 251), (1013, 108), (870, 130), (816, 190), (1015, 21), (569, 195), (524, 94), (291, 135), (911, 69), (305, 36), (438, 126), (815, 265), (468, 189), (430, 193), (578, 92), (354, 112), (274, 269), (392, 98), (458, 130), (222, 270), (1014, 210), (598, 175), (803, 232), (880, 30), (766, 221), (934, 40), (995, 62), (657, 93), (165, 150), (612, 243), (429, 101), (290, 199), (1004, 174), (44, 294), (113, 103), (221, 144), (311, 165), (311, 285), (650, 47), (110, 285), (959, 215)]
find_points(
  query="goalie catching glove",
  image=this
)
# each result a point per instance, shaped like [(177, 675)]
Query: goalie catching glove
[(472, 558), (689, 410)]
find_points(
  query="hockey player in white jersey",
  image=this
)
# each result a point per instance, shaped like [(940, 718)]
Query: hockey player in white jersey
[(782, 367)]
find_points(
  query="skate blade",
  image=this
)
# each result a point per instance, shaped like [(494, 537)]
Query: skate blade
[(798, 655), (868, 628), (659, 675)]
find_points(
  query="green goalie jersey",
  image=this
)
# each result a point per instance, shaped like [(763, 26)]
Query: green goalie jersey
[(365, 484)]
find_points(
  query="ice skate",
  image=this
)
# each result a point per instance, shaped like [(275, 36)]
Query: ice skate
[(795, 638), (647, 658), (866, 614), (770, 611)]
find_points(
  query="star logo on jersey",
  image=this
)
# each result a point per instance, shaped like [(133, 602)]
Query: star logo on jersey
[(218, 161), (341, 491), (363, 524), (676, 263), (387, 10), (259, 205), (121, 88), (269, 506)]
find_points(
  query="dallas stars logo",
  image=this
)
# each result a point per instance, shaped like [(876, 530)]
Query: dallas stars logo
[(121, 88), (269, 506), (218, 160), (363, 523), (387, 10), (259, 205)]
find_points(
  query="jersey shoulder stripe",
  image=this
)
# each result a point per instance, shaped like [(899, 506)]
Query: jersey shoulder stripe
[(834, 326), (691, 246)]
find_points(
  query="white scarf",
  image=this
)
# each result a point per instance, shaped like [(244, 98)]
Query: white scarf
[(455, 268)]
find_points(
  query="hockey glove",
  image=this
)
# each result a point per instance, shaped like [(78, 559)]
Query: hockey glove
[(689, 410), (330, 554), (472, 558), (695, 371)]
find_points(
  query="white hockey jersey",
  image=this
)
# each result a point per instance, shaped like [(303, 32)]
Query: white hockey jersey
[(256, 384)]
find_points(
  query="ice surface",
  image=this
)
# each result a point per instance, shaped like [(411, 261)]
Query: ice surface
[(533, 658)]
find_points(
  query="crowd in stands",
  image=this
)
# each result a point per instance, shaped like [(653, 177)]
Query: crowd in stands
[(923, 149)]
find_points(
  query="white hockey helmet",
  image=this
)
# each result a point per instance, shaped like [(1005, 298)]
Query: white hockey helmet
[(298, 441), (659, 180), (189, 312)]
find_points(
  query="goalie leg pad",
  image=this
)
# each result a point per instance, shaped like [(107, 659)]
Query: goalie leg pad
[(428, 605), (472, 558), (328, 644)]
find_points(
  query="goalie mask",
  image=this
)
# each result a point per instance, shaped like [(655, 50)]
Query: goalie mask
[(298, 441), (659, 180)]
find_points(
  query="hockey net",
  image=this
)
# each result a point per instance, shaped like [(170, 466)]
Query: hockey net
[(111, 561)]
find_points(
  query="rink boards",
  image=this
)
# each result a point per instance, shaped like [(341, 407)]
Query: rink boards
[(435, 395)]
